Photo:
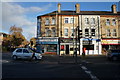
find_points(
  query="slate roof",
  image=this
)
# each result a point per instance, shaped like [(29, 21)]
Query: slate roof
[(82, 13)]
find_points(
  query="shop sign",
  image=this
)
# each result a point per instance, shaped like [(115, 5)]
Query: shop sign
[(110, 41), (50, 40), (86, 42)]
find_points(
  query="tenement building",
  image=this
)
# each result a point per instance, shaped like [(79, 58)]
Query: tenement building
[(67, 32)]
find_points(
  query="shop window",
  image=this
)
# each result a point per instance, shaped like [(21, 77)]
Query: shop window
[(113, 22), (66, 20), (86, 32), (107, 22), (89, 47)]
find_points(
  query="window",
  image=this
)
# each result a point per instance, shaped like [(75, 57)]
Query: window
[(19, 51), (47, 21), (86, 32), (93, 32), (108, 32), (107, 22), (92, 20), (114, 32), (66, 32), (53, 32), (113, 22), (47, 32), (53, 21), (66, 20), (71, 20), (72, 32), (25, 51), (86, 21)]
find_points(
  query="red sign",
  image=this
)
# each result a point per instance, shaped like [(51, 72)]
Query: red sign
[(62, 46)]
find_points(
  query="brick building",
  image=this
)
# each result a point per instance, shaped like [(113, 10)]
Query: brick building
[(58, 31)]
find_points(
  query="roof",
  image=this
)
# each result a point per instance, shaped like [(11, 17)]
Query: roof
[(82, 13)]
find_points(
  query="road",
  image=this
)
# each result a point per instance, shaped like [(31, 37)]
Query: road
[(55, 67)]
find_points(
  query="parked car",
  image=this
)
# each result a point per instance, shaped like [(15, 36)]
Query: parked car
[(25, 53), (113, 55)]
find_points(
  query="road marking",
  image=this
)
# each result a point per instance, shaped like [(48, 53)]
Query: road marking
[(4, 61), (93, 77)]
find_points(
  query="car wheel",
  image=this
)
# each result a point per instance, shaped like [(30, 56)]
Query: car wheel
[(114, 58), (14, 57), (34, 58)]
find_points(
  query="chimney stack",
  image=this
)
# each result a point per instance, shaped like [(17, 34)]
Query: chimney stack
[(59, 8), (114, 10), (77, 8)]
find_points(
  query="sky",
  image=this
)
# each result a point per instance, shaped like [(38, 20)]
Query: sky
[(24, 14)]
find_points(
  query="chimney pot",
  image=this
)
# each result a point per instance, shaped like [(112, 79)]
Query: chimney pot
[(59, 8), (114, 10), (77, 8)]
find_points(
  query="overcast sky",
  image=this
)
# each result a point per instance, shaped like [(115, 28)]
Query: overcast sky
[(24, 14)]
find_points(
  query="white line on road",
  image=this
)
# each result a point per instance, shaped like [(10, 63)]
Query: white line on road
[(93, 77)]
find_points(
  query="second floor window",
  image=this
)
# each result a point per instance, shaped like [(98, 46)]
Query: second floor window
[(92, 20), (71, 20), (47, 21), (53, 21), (86, 20), (66, 20), (108, 33), (66, 31), (114, 32), (113, 22), (107, 22)]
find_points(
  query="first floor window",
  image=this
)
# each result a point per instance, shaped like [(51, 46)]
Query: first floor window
[(66, 32), (53, 32), (47, 32), (86, 32), (93, 32), (72, 32), (108, 33), (114, 32)]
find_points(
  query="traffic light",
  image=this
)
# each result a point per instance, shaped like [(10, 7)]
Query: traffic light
[(79, 33)]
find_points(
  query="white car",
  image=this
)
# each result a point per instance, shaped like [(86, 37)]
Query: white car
[(25, 53)]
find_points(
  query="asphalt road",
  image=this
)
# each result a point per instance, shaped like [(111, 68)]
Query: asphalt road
[(55, 67)]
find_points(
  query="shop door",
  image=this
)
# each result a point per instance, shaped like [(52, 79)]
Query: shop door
[(67, 49)]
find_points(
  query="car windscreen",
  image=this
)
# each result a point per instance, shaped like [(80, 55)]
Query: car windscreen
[(31, 51)]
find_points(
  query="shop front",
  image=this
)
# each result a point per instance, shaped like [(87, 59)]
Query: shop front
[(48, 45), (110, 44), (88, 46)]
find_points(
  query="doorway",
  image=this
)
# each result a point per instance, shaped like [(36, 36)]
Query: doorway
[(67, 49)]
